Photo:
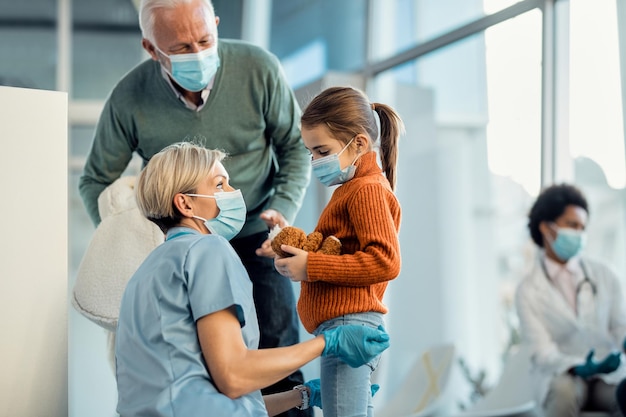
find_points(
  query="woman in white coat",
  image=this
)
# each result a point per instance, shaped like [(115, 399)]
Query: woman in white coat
[(571, 311)]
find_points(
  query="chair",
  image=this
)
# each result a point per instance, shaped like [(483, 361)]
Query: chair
[(421, 391), (512, 395)]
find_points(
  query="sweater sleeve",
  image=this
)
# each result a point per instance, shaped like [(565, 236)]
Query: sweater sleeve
[(109, 156), (282, 121), (374, 213)]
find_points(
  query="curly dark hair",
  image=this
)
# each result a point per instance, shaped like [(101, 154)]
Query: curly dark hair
[(551, 204)]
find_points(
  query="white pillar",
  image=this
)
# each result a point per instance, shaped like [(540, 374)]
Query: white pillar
[(256, 20), (33, 271)]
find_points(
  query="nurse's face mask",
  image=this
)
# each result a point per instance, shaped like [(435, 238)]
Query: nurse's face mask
[(231, 217)]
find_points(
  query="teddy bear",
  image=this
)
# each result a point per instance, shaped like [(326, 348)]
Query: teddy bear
[(294, 236)]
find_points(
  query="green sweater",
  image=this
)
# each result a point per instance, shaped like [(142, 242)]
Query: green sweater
[(251, 113)]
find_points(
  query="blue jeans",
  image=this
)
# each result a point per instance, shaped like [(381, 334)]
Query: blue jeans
[(275, 309), (346, 391)]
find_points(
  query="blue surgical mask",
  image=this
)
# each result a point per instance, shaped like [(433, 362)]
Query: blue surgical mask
[(194, 71), (568, 243), (231, 217), (328, 169)]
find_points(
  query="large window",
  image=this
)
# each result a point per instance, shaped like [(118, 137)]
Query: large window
[(596, 127), (418, 21), (470, 164)]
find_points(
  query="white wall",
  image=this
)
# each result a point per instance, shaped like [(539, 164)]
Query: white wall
[(33, 269)]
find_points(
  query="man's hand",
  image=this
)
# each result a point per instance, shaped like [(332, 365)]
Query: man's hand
[(271, 218)]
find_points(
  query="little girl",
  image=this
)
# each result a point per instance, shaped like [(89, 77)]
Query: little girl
[(340, 128)]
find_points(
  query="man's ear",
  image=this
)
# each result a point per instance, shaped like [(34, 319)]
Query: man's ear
[(147, 45), (183, 205)]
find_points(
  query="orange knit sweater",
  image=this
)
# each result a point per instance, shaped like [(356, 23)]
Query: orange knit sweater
[(365, 215)]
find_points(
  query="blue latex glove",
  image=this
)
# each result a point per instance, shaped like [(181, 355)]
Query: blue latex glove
[(355, 344), (592, 367), (624, 345), (315, 393)]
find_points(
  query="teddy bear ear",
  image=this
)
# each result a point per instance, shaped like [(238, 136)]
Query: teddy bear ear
[(289, 235), (331, 246), (313, 242)]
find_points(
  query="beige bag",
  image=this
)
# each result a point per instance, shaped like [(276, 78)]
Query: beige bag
[(120, 243)]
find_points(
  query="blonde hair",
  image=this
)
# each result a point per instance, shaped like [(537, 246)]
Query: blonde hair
[(178, 168), (347, 112)]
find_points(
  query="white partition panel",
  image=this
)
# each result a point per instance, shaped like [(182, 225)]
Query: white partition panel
[(33, 264)]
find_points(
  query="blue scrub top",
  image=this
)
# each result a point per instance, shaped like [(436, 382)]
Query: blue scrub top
[(159, 364)]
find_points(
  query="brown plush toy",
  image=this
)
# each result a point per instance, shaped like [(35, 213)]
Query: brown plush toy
[(294, 236)]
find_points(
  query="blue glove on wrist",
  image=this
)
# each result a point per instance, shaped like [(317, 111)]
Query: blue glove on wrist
[(591, 367), (315, 393), (355, 344)]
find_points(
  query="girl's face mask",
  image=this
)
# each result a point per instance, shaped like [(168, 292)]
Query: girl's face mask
[(328, 169)]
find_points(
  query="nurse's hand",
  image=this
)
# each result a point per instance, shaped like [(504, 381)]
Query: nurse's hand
[(315, 392), (355, 344)]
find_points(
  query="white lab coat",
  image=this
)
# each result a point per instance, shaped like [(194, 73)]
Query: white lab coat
[(557, 337)]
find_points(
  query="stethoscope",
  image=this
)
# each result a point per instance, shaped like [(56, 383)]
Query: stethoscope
[(586, 279)]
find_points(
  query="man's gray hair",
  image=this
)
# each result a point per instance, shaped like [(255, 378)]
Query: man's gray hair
[(148, 7)]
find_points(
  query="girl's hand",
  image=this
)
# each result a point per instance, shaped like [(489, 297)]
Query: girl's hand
[(293, 267)]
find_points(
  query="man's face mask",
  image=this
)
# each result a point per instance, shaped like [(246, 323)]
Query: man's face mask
[(193, 71)]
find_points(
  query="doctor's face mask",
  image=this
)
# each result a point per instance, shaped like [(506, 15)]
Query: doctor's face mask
[(568, 242)]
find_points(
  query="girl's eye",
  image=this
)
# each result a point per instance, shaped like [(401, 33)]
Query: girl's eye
[(323, 153)]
